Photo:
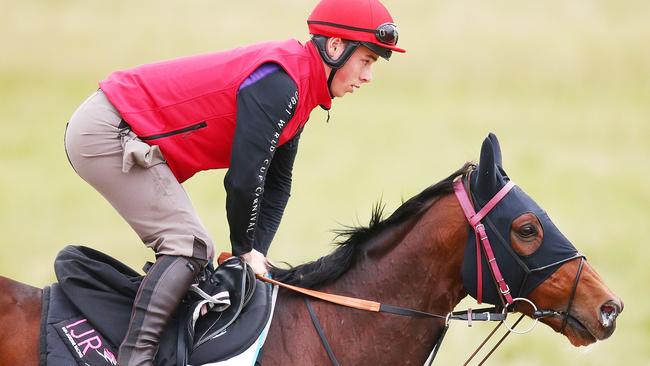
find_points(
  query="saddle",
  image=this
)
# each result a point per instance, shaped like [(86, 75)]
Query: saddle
[(86, 314)]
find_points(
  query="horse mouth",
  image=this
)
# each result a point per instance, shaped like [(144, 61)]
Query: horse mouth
[(582, 333), (578, 333)]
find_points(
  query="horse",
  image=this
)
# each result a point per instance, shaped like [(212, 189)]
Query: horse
[(417, 258)]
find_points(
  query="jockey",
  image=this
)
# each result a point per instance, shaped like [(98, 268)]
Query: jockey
[(150, 128)]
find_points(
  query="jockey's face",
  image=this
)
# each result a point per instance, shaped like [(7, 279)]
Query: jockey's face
[(356, 71)]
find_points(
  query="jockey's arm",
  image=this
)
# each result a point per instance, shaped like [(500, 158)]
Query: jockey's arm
[(259, 178), (277, 190)]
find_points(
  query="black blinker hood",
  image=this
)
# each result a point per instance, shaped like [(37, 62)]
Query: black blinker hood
[(522, 273)]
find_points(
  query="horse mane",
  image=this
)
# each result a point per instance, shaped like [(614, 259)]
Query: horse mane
[(351, 240)]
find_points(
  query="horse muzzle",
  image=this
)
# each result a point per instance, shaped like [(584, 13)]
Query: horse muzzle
[(609, 311), (583, 329)]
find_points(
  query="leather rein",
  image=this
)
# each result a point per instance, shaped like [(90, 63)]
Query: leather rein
[(498, 314)]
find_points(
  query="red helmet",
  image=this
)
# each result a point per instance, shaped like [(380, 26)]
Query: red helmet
[(364, 21)]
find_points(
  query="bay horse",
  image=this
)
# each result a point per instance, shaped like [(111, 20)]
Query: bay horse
[(415, 258)]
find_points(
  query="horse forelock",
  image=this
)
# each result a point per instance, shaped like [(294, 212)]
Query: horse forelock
[(353, 241)]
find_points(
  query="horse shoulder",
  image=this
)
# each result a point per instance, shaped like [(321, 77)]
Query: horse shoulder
[(292, 339), (20, 315)]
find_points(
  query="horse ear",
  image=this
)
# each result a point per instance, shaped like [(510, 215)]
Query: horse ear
[(497, 149), (487, 183)]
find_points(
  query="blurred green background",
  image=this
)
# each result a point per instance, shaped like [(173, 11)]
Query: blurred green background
[(564, 84)]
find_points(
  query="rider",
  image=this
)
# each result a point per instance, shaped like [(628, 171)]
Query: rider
[(150, 128)]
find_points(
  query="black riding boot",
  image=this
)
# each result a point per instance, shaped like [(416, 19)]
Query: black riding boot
[(160, 293)]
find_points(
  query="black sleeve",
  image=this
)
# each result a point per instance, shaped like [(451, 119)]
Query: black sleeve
[(263, 109), (277, 190)]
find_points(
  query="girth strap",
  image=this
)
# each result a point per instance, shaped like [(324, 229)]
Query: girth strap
[(321, 333)]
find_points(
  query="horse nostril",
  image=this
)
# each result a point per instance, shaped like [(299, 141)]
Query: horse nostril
[(608, 309), (608, 313)]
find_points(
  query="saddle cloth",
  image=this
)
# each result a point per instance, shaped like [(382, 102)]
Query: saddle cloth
[(85, 316)]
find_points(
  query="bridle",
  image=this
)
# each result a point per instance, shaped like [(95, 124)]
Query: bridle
[(497, 313), (483, 246), (482, 241)]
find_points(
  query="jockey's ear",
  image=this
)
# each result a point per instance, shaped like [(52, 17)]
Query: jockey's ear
[(335, 47)]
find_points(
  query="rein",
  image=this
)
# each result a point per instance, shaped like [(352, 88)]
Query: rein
[(469, 315)]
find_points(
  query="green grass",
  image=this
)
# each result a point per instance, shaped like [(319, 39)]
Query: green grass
[(565, 86)]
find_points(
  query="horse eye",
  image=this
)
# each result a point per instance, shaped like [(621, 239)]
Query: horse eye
[(527, 230)]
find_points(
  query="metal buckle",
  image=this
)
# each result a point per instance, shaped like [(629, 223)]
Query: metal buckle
[(506, 291), (476, 230), (487, 313)]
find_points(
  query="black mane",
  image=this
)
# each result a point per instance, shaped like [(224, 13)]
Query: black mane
[(351, 240)]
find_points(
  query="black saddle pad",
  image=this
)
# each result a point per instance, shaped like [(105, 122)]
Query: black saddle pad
[(101, 290), (66, 336)]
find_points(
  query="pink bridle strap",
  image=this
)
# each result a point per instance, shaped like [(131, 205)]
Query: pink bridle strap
[(474, 220)]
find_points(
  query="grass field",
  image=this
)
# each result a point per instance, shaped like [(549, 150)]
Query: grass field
[(564, 84)]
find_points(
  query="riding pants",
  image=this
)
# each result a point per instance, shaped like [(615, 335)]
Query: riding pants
[(135, 179)]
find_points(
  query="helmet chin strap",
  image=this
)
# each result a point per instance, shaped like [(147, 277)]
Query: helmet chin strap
[(334, 64), (329, 83)]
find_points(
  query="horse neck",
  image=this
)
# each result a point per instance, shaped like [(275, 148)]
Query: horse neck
[(416, 264)]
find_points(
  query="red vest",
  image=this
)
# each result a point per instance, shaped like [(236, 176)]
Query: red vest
[(188, 106)]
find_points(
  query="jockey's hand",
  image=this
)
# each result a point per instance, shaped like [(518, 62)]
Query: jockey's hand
[(257, 261)]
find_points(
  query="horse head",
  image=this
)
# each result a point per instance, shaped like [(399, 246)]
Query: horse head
[(536, 260)]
